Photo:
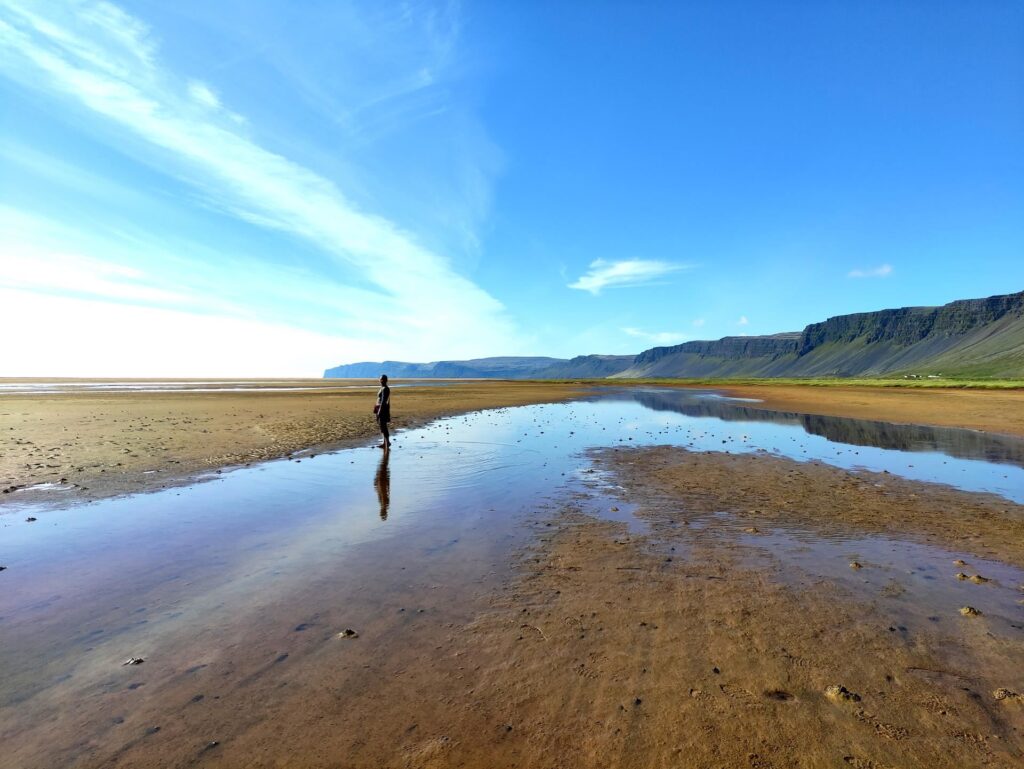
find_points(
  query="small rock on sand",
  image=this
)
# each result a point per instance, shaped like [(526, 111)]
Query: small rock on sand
[(1007, 694), (348, 633), (133, 661), (855, 565), (959, 562), (970, 611), (961, 576), (977, 579), (839, 693)]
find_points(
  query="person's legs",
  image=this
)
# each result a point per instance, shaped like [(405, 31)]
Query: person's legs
[(384, 433)]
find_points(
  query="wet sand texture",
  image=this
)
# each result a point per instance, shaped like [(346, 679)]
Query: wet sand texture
[(603, 648)]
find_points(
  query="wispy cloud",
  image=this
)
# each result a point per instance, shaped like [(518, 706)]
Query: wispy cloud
[(743, 321), (656, 337), (698, 322), (883, 271), (105, 60), (628, 272)]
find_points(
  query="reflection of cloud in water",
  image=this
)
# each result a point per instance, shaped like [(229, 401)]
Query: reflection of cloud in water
[(956, 442)]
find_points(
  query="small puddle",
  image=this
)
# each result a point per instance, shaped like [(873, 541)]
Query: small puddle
[(914, 584)]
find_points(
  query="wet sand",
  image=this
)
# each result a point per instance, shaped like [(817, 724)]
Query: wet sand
[(100, 444), (997, 411), (685, 644), (663, 607)]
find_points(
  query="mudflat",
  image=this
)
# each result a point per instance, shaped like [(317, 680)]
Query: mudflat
[(105, 443)]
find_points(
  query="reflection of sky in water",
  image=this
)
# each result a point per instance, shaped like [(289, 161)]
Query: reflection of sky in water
[(256, 534)]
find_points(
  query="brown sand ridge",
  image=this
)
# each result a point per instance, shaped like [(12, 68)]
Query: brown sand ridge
[(997, 411), (115, 443)]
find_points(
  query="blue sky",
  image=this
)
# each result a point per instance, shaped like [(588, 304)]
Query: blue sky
[(268, 189)]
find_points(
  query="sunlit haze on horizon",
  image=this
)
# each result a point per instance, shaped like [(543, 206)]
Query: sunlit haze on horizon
[(234, 189)]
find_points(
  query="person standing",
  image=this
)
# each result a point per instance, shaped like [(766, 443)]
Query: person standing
[(383, 412)]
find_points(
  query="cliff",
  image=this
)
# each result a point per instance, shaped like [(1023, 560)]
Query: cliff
[(972, 337)]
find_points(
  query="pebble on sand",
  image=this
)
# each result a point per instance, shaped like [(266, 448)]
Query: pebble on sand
[(970, 611), (1007, 694), (839, 693), (961, 576), (855, 565), (348, 633), (133, 661), (977, 579)]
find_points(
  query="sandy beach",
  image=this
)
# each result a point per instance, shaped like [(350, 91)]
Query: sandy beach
[(100, 444), (104, 443), (612, 580)]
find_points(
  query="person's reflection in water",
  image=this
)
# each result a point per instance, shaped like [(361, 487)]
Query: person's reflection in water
[(383, 485)]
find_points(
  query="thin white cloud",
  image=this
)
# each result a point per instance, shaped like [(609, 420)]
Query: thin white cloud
[(656, 337), (699, 322), (106, 61), (202, 93), (882, 271), (743, 321), (628, 272)]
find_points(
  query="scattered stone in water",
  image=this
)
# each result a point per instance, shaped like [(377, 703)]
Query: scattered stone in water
[(30, 519), (348, 633), (961, 576), (959, 562), (615, 509), (839, 693), (855, 565), (752, 530), (977, 579), (3, 568), (133, 661), (970, 611)]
